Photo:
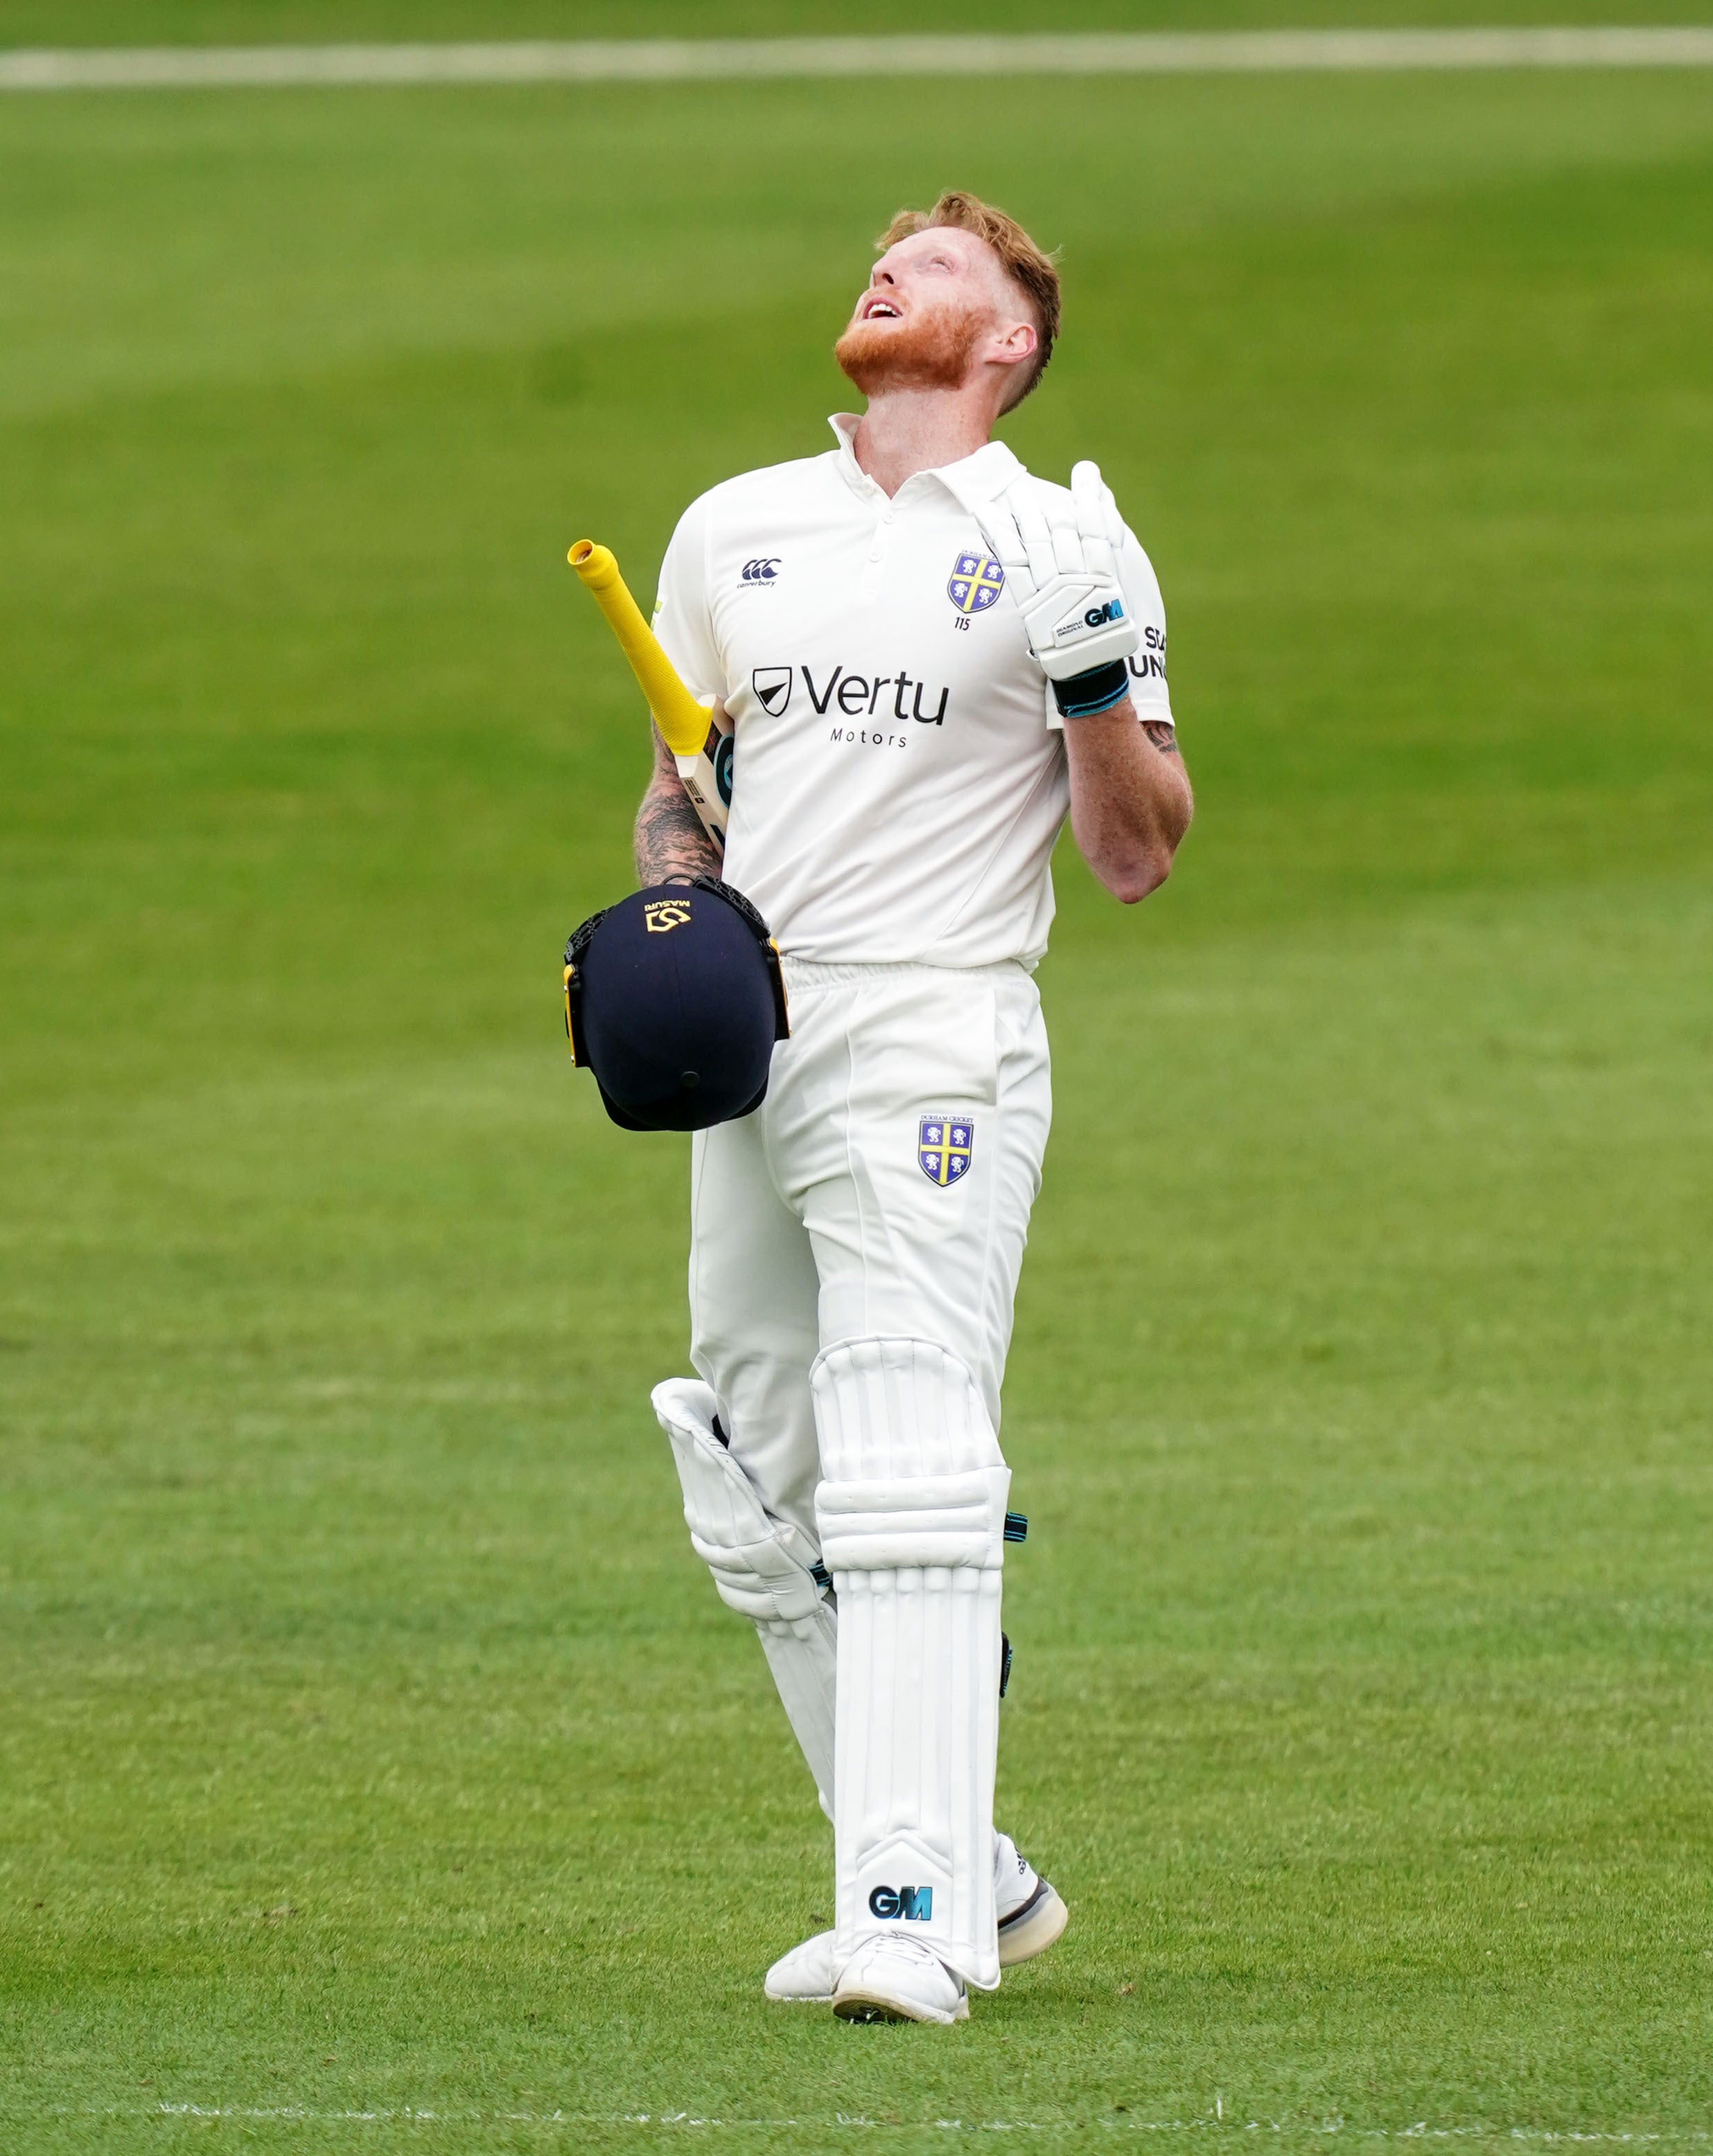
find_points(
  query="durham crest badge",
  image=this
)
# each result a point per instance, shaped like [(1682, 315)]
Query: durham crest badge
[(943, 1145), (976, 581)]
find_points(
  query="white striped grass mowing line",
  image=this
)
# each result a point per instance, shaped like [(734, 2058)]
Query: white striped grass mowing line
[(857, 2122), (670, 59)]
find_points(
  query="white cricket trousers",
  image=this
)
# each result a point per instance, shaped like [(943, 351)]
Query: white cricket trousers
[(815, 1221), (854, 1255)]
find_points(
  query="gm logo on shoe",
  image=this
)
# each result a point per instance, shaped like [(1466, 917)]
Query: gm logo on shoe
[(906, 1902)]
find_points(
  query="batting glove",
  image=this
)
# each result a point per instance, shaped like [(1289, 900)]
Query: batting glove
[(1060, 561)]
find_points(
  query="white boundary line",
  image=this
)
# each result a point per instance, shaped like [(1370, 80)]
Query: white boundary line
[(856, 2121), (775, 59)]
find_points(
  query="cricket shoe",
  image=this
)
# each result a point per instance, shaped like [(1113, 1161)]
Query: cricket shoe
[(889, 1978), (1030, 1918)]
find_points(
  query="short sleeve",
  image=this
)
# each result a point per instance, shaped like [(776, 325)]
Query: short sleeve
[(682, 619), (1147, 663)]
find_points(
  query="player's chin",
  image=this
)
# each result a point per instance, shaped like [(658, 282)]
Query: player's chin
[(887, 353), (868, 351)]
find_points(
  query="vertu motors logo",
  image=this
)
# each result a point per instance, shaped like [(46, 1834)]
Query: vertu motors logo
[(773, 688), (761, 570)]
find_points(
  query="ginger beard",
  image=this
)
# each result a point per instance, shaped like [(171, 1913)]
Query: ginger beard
[(928, 348)]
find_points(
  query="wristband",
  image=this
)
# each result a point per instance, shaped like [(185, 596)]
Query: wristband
[(1098, 689)]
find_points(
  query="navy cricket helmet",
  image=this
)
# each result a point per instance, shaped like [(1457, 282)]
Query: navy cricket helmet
[(674, 1000)]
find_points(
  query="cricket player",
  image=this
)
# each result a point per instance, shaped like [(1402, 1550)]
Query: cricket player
[(929, 658)]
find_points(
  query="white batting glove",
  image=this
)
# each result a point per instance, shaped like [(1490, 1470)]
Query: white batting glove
[(1060, 561)]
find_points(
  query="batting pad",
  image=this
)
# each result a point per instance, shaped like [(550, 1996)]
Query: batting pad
[(758, 1570), (912, 1514)]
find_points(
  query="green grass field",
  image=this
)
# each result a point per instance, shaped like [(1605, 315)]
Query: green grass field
[(373, 1744)]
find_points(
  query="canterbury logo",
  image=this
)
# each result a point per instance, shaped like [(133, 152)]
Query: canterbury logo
[(763, 570), (661, 914), (915, 1904)]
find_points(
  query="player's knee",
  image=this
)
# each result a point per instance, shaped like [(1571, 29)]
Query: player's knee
[(911, 1470), (762, 1566)]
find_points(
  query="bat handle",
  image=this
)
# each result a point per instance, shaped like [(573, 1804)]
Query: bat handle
[(683, 722), (594, 564)]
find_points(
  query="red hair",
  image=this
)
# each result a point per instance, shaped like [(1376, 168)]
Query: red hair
[(1030, 270)]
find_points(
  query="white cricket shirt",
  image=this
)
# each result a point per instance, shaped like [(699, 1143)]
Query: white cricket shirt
[(898, 763)]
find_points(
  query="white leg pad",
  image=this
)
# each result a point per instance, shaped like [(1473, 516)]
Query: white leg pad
[(912, 1513), (761, 1567)]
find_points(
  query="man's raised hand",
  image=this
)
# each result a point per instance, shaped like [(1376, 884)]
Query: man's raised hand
[(1060, 561)]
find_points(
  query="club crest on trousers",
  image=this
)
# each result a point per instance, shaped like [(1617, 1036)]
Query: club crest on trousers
[(944, 1145)]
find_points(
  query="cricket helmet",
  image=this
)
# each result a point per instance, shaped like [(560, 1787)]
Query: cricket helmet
[(674, 1000)]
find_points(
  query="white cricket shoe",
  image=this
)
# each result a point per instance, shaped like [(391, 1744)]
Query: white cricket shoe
[(805, 1976), (891, 1979), (1031, 1917)]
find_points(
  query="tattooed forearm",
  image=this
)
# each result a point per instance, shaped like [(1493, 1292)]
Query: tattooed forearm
[(1164, 738), (669, 840)]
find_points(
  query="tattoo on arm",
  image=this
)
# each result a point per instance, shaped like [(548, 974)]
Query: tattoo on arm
[(1164, 738), (669, 839)]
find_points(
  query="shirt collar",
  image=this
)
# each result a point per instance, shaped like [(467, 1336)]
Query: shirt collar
[(972, 481)]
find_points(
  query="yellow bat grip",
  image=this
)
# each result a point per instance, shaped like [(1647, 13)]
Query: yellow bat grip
[(683, 722)]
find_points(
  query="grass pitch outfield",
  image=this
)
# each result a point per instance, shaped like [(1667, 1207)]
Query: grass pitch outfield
[(373, 1745)]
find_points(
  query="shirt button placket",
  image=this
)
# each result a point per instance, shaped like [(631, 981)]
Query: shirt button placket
[(880, 545)]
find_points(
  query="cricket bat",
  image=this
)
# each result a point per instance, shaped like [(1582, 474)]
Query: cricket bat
[(698, 735)]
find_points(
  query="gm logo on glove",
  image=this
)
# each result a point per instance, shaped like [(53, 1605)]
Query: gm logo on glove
[(1096, 616), (906, 1902)]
